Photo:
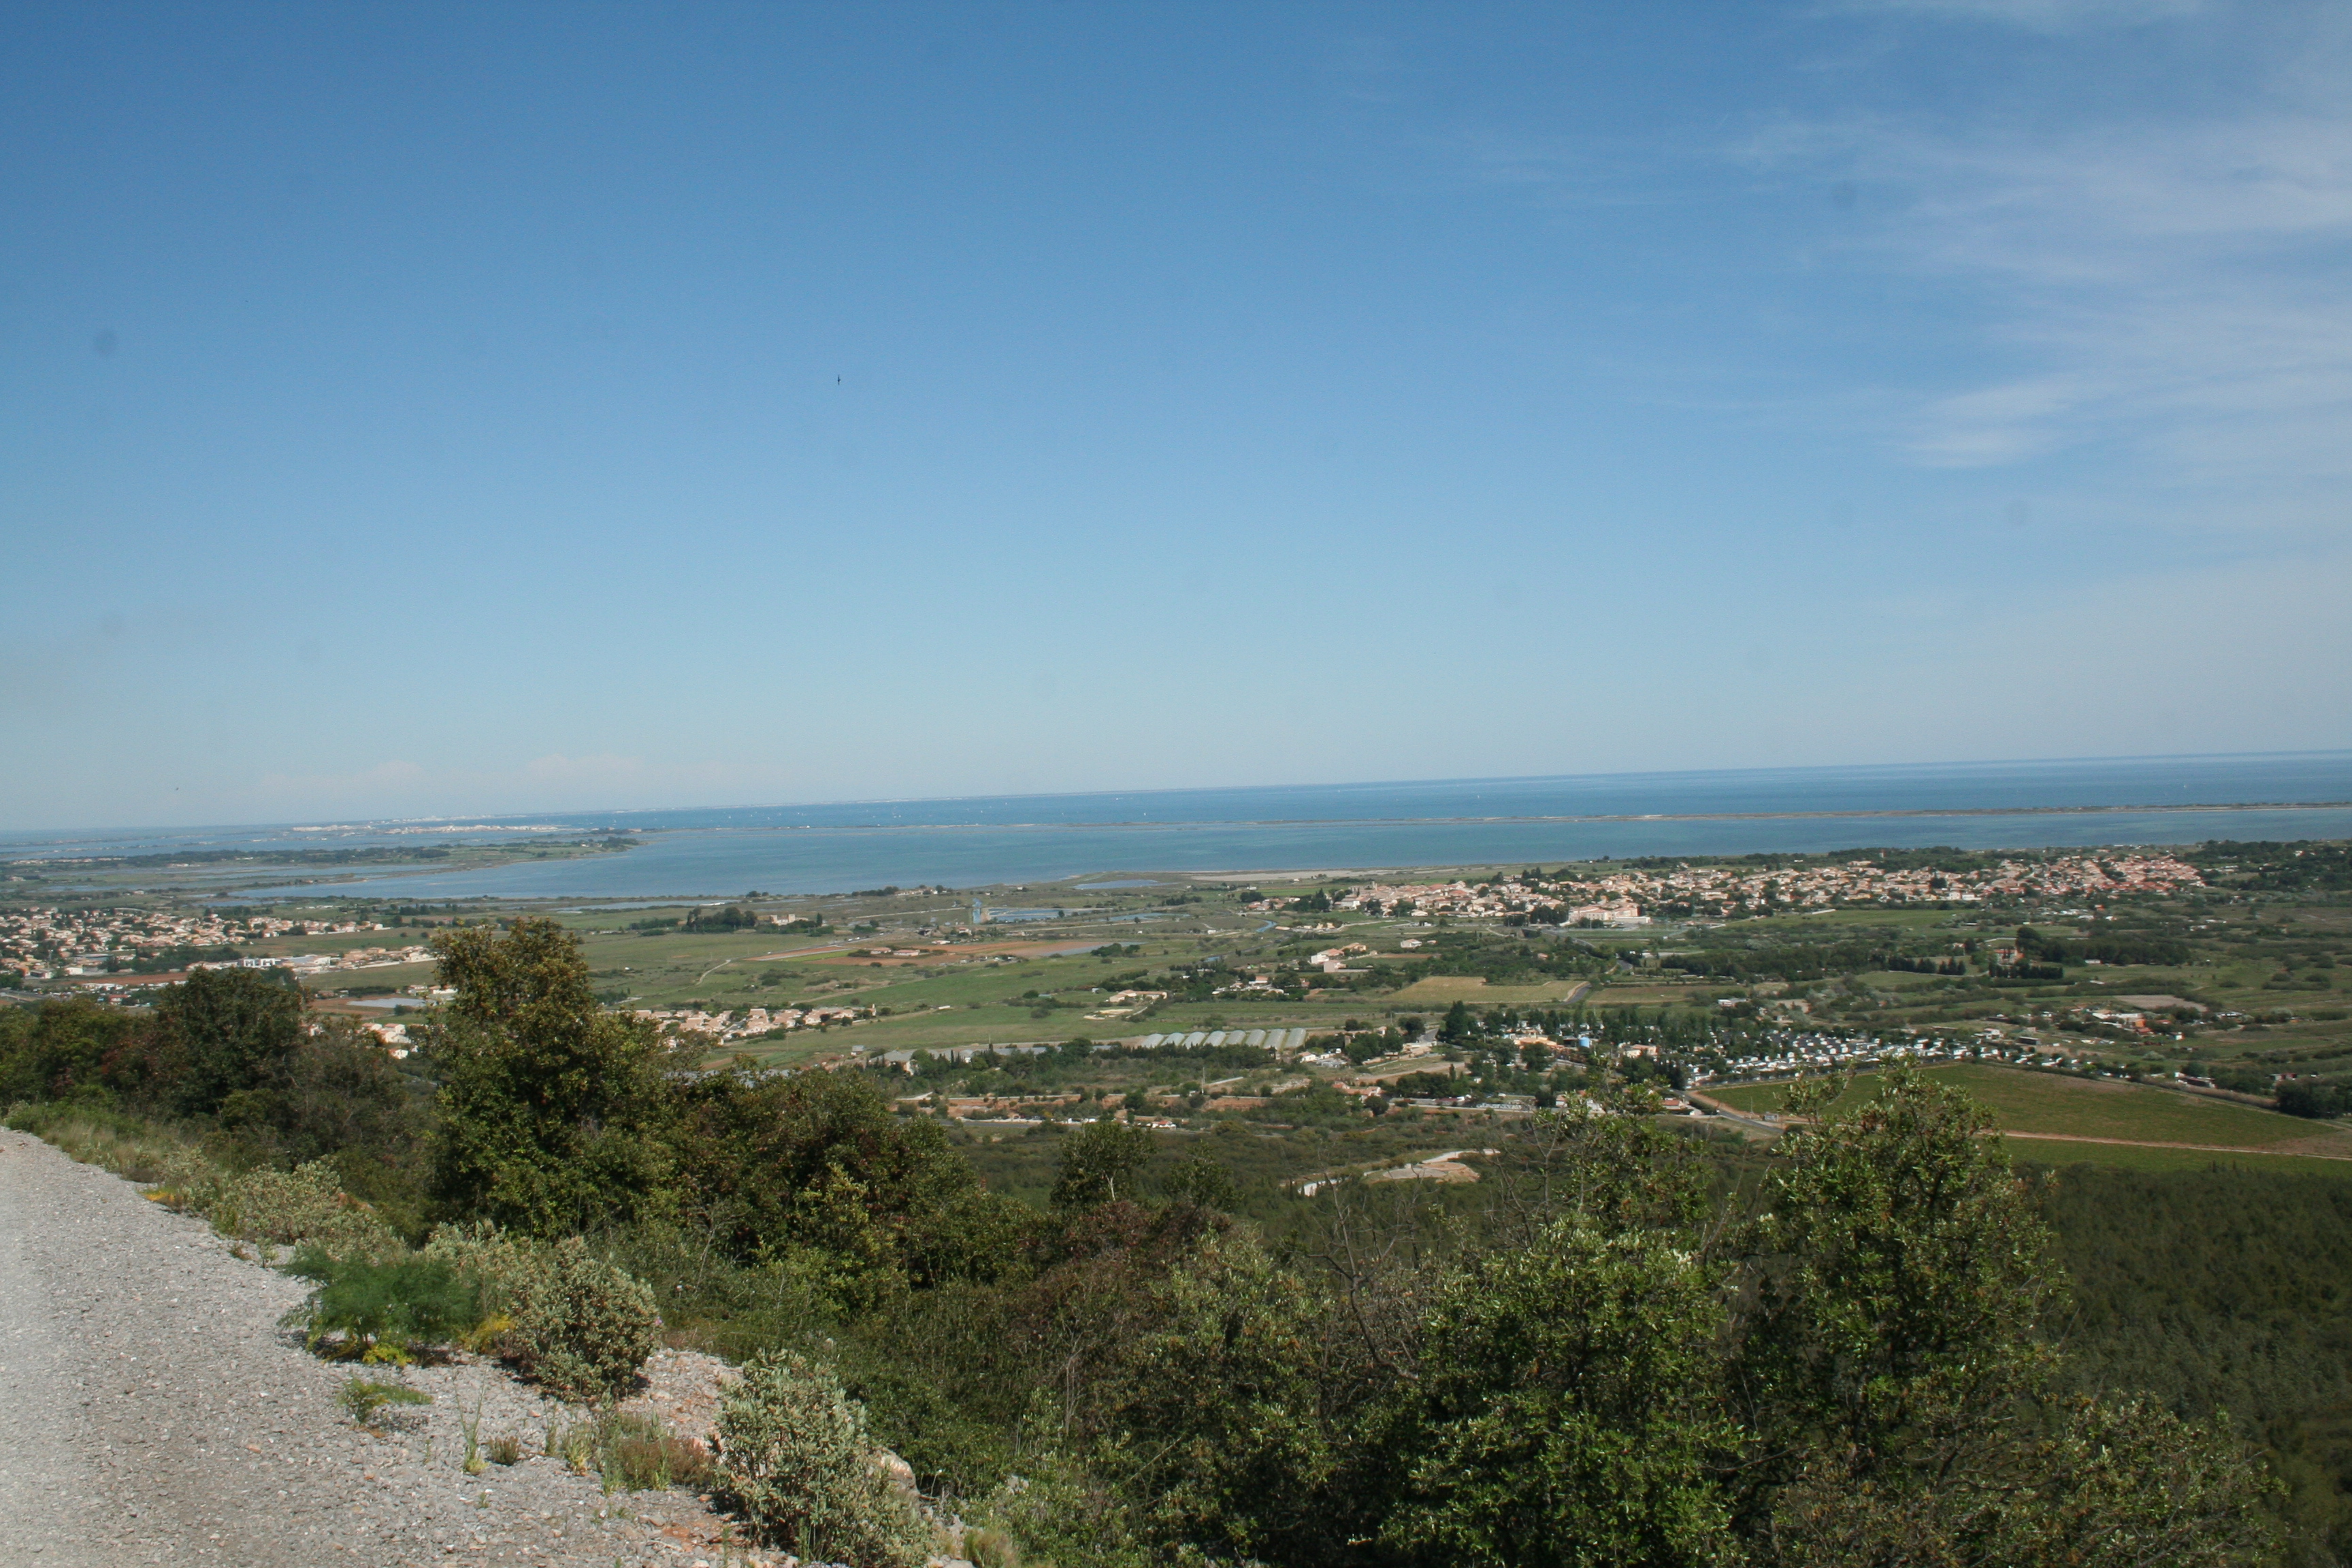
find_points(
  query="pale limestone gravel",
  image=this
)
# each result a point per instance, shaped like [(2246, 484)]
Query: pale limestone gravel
[(155, 1412), (682, 1389)]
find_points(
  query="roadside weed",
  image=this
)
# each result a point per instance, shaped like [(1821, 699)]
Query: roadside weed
[(363, 1400)]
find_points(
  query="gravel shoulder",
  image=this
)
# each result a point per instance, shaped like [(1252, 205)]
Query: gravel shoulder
[(155, 1412)]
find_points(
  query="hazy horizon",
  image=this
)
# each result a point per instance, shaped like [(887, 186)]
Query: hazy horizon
[(519, 817)]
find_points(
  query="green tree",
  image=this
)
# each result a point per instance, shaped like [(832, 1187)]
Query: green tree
[(1201, 1182), (816, 1165), (1916, 1266), (553, 1112), (2102, 1484), (1243, 1403), (1899, 1390), (1615, 1166), (1565, 1412), (72, 1049), (1099, 1163), (222, 1032), (340, 1099)]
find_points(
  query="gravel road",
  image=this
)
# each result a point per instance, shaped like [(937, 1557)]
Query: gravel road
[(152, 1411)]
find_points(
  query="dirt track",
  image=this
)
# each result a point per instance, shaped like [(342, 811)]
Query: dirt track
[(2295, 1148), (155, 1412)]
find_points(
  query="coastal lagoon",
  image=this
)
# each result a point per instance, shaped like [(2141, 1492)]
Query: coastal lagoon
[(1032, 838)]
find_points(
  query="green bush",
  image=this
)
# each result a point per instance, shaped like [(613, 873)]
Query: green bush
[(577, 1324), (362, 1400), (302, 1206), (796, 1458), (2315, 1100), (584, 1327), (382, 1310), (497, 1259), (1057, 1513)]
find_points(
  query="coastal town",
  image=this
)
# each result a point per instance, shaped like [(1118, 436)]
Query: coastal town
[(1636, 896), (45, 944)]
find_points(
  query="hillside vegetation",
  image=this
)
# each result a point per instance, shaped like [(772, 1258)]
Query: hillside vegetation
[(1624, 1346)]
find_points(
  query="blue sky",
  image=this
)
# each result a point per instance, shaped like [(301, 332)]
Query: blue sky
[(417, 409)]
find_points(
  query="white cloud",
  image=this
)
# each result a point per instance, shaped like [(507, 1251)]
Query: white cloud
[(2171, 286), (2039, 16)]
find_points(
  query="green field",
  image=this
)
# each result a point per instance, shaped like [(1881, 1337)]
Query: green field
[(1442, 990), (2031, 1102), (2159, 1160)]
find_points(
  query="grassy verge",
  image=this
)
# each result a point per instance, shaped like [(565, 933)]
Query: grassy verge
[(132, 1147)]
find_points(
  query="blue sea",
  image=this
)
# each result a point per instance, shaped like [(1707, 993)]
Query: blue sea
[(984, 840)]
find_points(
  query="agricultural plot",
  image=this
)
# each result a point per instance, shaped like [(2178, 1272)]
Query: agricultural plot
[(1443, 990), (2159, 1159), (2046, 1113)]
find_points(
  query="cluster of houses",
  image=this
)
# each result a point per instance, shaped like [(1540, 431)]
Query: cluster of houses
[(45, 944), (753, 1023), (1474, 900), (307, 964), (1621, 898), (2095, 878)]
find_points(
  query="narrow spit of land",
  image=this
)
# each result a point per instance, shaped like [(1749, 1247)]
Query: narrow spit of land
[(152, 1411)]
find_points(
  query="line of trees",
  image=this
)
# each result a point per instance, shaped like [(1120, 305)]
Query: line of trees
[(2041, 946)]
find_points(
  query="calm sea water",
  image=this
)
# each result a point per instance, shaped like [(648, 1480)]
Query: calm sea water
[(1026, 838)]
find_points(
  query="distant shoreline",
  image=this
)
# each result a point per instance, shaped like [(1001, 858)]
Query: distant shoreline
[(1160, 826)]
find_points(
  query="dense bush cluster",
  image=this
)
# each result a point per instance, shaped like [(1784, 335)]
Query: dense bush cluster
[(2315, 1100), (305, 1205), (227, 1058)]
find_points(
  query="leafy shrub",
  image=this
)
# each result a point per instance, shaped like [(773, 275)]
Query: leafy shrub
[(796, 1458), (582, 1327), (497, 1259), (382, 1310), (278, 1207), (1056, 1513), (304, 1205), (362, 1400)]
